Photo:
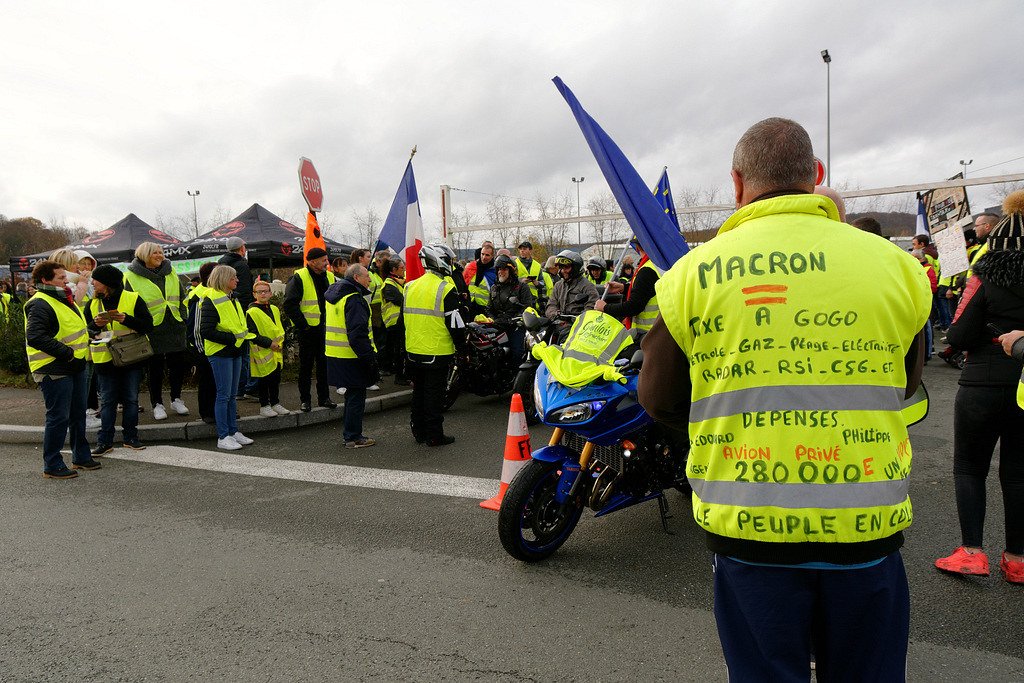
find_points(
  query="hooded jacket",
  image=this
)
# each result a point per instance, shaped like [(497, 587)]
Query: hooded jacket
[(994, 295), (169, 335), (362, 371)]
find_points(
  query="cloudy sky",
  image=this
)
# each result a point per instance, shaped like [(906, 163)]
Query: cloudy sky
[(117, 107)]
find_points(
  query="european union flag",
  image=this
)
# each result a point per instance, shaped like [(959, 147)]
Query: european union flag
[(658, 235), (663, 193)]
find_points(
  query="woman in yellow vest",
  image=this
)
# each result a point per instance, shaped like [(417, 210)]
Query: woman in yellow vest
[(393, 296), (112, 312), (57, 345), (265, 356), (351, 354), (223, 331), (153, 278)]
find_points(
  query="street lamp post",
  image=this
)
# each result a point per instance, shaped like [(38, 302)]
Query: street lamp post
[(579, 228), (195, 213), (828, 116), (965, 164)]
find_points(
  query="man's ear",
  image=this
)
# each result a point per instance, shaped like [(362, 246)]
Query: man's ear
[(737, 185)]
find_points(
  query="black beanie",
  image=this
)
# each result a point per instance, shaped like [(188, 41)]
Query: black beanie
[(108, 275)]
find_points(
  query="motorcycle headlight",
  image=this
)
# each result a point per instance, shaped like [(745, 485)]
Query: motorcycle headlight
[(577, 412)]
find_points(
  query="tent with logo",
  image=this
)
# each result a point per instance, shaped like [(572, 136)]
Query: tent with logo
[(270, 241), (116, 244)]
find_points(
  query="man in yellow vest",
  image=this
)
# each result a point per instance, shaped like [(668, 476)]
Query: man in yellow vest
[(434, 329), (787, 345), (114, 312), (351, 353), (529, 271), (57, 344), (304, 304), (392, 298)]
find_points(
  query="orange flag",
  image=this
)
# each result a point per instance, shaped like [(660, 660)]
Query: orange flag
[(313, 236)]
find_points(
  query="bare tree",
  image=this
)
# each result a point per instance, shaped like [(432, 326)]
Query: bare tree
[(462, 217), (607, 232), (1001, 190), (367, 226), (555, 237), (702, 226)]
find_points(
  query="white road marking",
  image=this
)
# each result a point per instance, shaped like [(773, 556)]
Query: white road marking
[(320, 473)]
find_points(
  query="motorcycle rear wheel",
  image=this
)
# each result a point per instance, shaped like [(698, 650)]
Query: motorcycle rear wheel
[(524, 387), (452, 388), (531, 523)]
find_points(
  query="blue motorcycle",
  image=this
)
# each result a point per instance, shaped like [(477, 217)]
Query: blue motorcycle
[(605, 453)]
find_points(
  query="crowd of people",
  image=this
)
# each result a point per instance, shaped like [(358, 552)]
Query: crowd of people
[(800, 568)]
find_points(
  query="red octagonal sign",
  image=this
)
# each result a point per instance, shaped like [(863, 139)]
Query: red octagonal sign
[(309, 183)]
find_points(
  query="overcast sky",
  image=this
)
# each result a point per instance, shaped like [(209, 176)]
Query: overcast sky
[(116, 107)]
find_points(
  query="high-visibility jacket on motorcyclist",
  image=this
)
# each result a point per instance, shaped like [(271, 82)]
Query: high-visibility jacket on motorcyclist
[(426, 333), (797, 379), (587, 354)]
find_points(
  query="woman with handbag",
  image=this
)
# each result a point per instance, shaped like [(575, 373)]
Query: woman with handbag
[(223, 330), (114, 314)]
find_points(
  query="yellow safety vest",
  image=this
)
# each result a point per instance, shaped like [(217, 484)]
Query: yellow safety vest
[(376, 288), (5, 305), (232, 319), (645, 319), (337, 344), (263, 361), (157, 302), (604, 278), (198, 292), (549, 283), (1020, 392), (796, 428), (587, 353), (479, 293), (425, 330), (71, 331), (390, 311), (308, 304), (125, 304), (533, 271)]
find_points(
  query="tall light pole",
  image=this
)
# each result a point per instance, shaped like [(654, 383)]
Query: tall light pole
[(965, 164), (579, 228), (828, 116), (195, 213)]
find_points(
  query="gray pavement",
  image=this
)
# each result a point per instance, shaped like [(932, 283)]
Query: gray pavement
[(142, 571)]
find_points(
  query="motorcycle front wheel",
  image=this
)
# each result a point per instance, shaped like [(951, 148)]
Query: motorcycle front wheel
[(524, 387), (531, 523), (452, 388)]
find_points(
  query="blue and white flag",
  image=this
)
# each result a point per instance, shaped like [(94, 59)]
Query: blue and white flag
[(663, 193), (658, 236), (403, 228), (922, 219)]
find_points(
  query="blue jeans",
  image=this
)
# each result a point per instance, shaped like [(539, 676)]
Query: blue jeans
[(119, 386), (856, 621), (225, 375), (352, 420), (65, 399), (247, 384)]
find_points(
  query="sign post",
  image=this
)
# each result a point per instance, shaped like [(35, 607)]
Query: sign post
[(313, 193)]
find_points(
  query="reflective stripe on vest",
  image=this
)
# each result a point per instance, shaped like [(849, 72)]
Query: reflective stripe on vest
[(533, 271), (480, 293), (425, 330), (391, 311), (263, 361), (309, 305), (158, 302), (125, 303), (336, 344), (71, 332), (645, 319), (798, 420), (232, 320)]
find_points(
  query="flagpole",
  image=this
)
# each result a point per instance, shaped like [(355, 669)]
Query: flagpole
[(618, 265)]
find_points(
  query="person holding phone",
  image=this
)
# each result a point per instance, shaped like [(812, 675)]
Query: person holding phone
[(986, 409)]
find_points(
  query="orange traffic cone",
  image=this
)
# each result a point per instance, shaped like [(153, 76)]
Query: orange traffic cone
[(517, 451)]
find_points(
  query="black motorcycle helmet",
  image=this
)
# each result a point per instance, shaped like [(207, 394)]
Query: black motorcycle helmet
[(570, 258), (504, 261)]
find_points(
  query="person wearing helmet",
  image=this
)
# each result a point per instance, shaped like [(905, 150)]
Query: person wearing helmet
[(434, 330), (456, 275), (572, 294), (509, 297), (596, 272)]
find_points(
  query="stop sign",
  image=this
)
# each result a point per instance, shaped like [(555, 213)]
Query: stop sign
[(309, 183), (820, 170)]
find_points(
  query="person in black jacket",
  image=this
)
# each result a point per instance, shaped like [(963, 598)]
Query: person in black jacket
[(206, 388), (243, 293), (986, 409), (64, 378), (637, 293), (311, 336), (116, 385), (359, 373)]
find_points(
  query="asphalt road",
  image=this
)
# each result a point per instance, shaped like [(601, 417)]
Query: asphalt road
[(152, 572)]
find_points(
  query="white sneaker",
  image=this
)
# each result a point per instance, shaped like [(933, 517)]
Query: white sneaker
[(281, 410), (92, 422), (373, 388), (267, 411), (158, 412), (341, 390), (92, 412), (178, 406), (242, 438), (228, 443)]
